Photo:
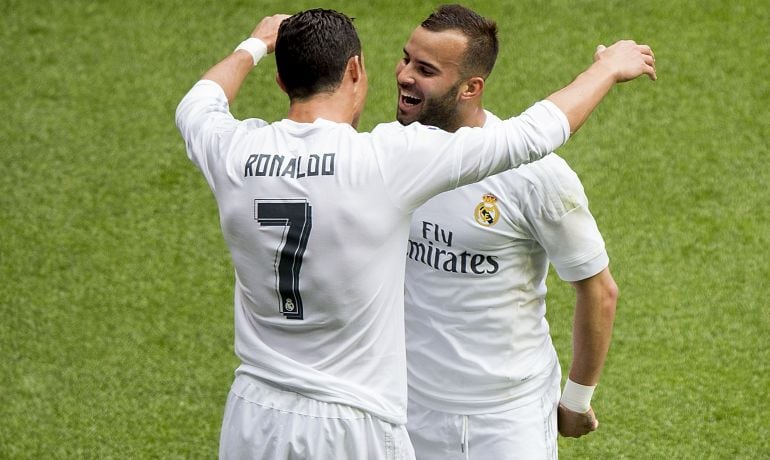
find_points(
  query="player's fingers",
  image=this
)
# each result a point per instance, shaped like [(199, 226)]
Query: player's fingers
[(594, 424), (649, 61), (599, 50), (645, 49), (651, 72), (646, 52)]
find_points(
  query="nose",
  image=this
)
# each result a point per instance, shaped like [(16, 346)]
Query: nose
[(403, 74)]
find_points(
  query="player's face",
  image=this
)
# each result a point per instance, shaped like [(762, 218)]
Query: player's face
[(429, 80)]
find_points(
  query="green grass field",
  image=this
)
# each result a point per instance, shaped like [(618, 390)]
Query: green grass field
[(115, 284)]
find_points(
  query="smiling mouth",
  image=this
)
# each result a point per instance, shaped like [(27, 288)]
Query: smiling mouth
[(410, 100)]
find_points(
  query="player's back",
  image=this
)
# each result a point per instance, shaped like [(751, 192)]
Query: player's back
[(318, 246)]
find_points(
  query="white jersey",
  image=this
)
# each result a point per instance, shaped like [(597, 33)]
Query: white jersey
[(477, 337), (316, 217)]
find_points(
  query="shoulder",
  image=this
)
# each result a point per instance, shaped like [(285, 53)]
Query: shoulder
[(386, 130), (551, 174), (396, 127), (491, 119), (388, 127), (415, 136), (253, 123), (554, 187)]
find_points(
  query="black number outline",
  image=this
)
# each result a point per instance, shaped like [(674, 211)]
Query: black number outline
[(295, 215)]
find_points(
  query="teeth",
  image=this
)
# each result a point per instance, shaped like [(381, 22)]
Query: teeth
[(411, 100)]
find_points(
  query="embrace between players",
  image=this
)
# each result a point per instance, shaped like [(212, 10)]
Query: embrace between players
[(337, 340)]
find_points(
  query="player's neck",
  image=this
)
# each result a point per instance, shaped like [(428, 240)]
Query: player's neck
[(342, 105), (329, 106), (475, 118), (469, 116)]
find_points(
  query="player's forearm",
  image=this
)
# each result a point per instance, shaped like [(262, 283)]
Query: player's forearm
[(592, 327), (230, 73), (578, 99), (232, 70)]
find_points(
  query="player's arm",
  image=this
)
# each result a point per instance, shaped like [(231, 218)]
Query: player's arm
[(230, 72), (203, 115), (596, 300), (623, 61), (539, 130)]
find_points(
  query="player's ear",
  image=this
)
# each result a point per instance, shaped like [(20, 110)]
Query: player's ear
[(472, 88), (280, 82), (355, 67)]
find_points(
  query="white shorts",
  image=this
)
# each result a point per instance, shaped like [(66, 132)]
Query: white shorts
[(263, 422), (526, 432)]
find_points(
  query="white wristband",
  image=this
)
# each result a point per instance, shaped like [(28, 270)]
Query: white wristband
[(253, 46), (577, 397)]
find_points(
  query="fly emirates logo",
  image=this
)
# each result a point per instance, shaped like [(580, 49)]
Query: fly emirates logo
[(435, 250)]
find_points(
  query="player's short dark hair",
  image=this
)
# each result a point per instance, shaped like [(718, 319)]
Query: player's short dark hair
[(481, 54), (312, 50)]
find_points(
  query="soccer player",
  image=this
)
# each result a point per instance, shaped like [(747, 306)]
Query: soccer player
[(483, 374), (316, 217)]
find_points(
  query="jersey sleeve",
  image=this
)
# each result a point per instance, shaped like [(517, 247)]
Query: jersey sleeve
[(204, 120), (425, 161), (560, 220)]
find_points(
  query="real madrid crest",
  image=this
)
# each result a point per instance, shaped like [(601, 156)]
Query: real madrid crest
[(486, 212)]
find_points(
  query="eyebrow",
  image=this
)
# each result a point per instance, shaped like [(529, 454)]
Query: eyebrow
[(421, 62)]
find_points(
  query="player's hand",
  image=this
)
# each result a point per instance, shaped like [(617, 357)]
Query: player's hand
[(627, 60), (267, 30), (574, 424)]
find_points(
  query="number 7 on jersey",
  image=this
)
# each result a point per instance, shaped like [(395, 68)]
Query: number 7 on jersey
[(295, 216)]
